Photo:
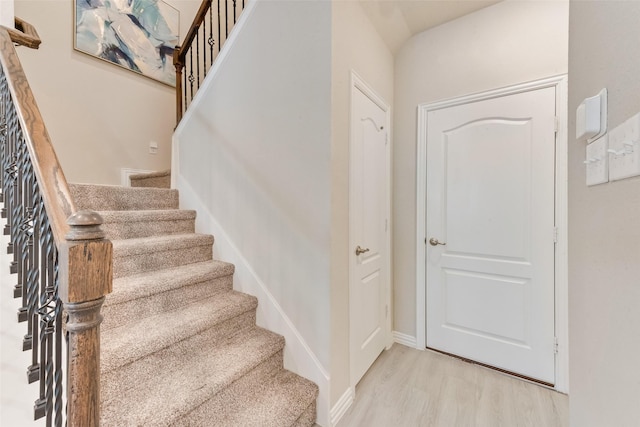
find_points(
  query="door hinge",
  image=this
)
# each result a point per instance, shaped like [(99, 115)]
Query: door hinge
[(555, 345), (556, 124), (555, 234)]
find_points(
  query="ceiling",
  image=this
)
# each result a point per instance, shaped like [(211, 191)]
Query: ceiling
[(398, 20)]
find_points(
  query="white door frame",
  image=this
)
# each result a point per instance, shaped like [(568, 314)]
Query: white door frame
[(561, 218), (357, 83)]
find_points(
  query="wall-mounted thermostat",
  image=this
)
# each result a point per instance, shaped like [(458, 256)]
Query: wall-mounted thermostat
[(591, 117)]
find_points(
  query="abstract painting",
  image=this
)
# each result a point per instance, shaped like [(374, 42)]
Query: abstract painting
[(140, 35)]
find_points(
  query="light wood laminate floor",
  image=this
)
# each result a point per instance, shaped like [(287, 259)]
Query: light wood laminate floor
[(408, 387)]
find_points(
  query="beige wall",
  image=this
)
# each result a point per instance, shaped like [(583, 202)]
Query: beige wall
[(509, 43), (100, 117), (604, 232), (355, 46)]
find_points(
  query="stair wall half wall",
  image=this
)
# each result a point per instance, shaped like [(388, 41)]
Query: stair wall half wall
[(253, 156), (298, 357)]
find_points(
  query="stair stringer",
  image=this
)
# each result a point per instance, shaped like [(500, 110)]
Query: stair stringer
[(298, 356)]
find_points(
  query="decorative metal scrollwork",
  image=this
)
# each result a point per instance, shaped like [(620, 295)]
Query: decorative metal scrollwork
[(35, 264)]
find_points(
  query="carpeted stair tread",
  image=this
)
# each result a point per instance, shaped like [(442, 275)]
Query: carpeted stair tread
[(113, 198), (141, 295), (277, 401), (133, 256), (126, 247), (146, 284), (159, 179), (172, 382), (133, 341), (145, 223), (179, 346)]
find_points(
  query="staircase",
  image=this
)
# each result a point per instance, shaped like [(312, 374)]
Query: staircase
[(180, 347)]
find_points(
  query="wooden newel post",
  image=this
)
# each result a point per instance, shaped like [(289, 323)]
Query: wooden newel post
[(85, 262)]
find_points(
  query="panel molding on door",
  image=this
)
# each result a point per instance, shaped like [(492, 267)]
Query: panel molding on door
[(369, 210), (458, 258)]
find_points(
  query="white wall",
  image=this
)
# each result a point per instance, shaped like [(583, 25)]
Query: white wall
[(100, 117), (355, 46), (254, 151), (604, 233), (6, 13), (505, 44)]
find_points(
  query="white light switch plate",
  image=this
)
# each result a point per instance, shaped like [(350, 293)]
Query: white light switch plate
[(596, 162), (624, 150)]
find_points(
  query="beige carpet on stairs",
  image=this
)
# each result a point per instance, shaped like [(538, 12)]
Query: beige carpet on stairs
[(161, 179), (180, 347)]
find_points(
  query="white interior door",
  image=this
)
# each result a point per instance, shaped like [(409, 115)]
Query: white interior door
[(369, 199), (490, 225)]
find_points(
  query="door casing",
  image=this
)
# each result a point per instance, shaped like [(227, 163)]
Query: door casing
[(561, 208), (358, 84)]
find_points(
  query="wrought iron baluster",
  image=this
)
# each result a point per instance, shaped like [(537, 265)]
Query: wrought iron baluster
[(184, 86), (210, 40), (14, 194), (204, 48), (226, 19), (197, 61), (60, 341), (202, 32), (3, 133), (35, 263), (191, 77), (219, 28)]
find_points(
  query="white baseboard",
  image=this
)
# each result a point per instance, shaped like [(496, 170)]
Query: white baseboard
[(125, 173), (298, 357), (404, 339), (342, 406)]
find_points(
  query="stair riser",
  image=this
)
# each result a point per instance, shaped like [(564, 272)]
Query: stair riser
[(131, 311), (212, 412), (126, 265), (134, 230), (216, 332), (107, 198), (155, 182)]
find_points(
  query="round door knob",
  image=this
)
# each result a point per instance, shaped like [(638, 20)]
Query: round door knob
[(360, 251), (434, 242)]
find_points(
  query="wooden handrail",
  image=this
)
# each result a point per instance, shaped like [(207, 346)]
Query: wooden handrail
[(53, 185), (77, 259), (179, 55), (202, 50), (24, 34), (181, 52)]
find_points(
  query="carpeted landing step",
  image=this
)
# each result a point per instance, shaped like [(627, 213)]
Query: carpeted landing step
[(180, 347), (161, 179)]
